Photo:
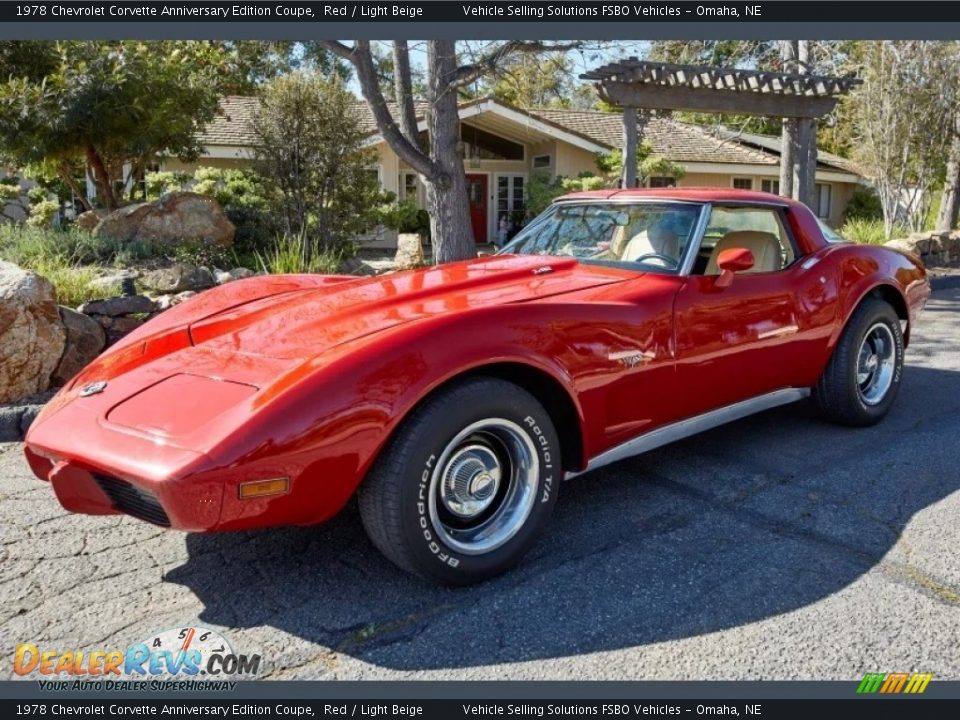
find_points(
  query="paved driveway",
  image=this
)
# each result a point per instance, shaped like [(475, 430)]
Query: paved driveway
[(778, 547)]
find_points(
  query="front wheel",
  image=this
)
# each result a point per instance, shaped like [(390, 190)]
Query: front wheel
[(466, 484), (861, 380)]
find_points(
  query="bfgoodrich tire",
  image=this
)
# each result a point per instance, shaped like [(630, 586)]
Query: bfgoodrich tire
[(466, 484), (861, 380)]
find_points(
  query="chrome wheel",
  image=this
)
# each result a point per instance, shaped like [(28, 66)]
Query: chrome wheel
[(483, 486), (876, 363)]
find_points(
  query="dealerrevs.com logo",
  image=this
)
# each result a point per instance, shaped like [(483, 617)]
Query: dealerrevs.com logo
[(171, 659), (894, 683)]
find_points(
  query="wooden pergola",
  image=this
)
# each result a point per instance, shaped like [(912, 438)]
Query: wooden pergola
[(642, 87)]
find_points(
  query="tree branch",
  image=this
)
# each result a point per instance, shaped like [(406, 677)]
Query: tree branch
[(361, 58), (490, 61)]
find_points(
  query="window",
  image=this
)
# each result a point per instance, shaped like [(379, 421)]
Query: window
[(511, 198), (409, 186), (481, 145), (770, 186), (759, 230), (542, 161), (824, 192), (662, 181), (742, 183)]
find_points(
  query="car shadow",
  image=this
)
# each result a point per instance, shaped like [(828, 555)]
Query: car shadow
[(745, 522)]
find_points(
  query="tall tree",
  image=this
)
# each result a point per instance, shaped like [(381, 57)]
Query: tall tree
[(904, 114), (440, 164), (950, 197), (311, 157), (110, 104)]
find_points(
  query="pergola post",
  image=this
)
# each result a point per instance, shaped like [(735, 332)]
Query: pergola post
[(805, 175), (798, 97), (630, 144)]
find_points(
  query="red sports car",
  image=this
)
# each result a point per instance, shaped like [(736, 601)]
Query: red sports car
[(453, 400)]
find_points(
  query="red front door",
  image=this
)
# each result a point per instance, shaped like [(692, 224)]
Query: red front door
[(477, 196)]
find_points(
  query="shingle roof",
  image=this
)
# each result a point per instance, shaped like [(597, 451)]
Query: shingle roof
[(670, 138)]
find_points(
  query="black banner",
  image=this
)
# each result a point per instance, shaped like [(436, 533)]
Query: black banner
[(448, 11), (913, 708)]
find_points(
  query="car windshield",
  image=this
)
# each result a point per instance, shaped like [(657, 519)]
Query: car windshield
[(644, 235)]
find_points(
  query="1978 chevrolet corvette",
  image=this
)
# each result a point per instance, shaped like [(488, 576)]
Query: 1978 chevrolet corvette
[(453, 400)]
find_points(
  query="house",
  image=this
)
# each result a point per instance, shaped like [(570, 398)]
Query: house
[(503, 146)]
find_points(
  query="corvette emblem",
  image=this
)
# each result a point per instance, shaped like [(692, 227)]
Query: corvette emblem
[(93, 388)]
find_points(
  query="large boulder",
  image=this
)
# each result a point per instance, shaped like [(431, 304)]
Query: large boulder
[(409, 251), (85, 340), (178, 278), (88, 220), (174, 218), (32, 336), (117, 306)]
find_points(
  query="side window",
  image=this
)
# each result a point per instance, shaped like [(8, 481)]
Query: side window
[(759, 230)]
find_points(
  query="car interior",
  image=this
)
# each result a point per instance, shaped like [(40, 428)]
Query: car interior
[(759, 230)]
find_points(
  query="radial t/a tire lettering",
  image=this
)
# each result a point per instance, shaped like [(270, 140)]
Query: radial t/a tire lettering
[(466, 483)]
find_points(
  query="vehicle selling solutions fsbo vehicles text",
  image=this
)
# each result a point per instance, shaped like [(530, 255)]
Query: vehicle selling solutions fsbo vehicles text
[(548, 11)]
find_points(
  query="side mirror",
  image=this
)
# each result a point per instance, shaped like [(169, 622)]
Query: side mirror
[(732, 261)]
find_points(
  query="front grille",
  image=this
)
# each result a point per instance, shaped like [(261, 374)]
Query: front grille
[(132, 500)]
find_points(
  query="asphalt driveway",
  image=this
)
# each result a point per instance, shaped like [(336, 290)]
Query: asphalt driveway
[(778, 547)]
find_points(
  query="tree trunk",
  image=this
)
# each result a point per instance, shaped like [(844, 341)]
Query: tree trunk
[(403, 91), (628, 176), (950, 200), (790, 132), (101, 178), (449, 209), (66, 175)]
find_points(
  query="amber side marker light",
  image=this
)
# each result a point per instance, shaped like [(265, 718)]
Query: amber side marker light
[(264, 488)]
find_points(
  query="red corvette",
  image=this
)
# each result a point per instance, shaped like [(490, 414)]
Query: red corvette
[(453, 400)]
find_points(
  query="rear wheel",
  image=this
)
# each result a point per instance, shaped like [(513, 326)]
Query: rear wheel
[(861, 380), (466, 483)]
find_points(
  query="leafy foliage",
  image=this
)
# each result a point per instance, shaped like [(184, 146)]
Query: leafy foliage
[(108, 103), (864, 204), (869, 231), (541, 191), (318, 178)]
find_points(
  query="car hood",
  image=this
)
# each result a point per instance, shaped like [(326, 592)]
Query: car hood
[(305, 323)]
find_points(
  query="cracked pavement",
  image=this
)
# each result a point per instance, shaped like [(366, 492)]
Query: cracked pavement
[(777, 547)]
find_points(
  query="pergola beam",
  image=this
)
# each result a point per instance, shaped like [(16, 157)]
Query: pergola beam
[(696, 99)]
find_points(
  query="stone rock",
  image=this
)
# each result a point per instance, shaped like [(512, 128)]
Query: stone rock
[(185, 295), (903, 245), (124, 325), (112, 282), (222, 277), (85, 340), (178, 278), (175, 217), (409, 251), (105, 321), (164, 302), (239, 273), (88, 220), (32, 336), (117, 306)]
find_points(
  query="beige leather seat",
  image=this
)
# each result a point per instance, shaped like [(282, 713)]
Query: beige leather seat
[(764, 246), (654, 241)]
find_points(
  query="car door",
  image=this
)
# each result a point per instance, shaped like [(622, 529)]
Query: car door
[(761, 333)]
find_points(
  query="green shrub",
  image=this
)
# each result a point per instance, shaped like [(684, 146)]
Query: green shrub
[(297, 254), (241, 194), (866, 232), (864, 205)]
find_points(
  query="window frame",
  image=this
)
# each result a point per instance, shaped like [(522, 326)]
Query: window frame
[(535, 158), (818, 189), (735, 178), (779, 211)]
